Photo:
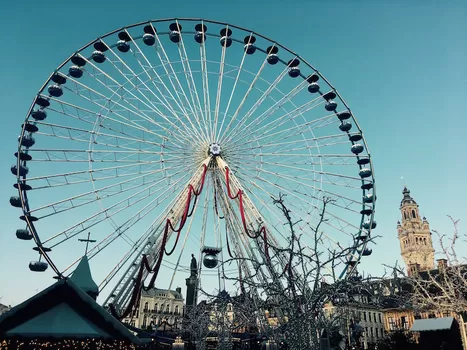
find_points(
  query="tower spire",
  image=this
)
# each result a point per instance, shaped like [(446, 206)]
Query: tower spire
[(414, 236)]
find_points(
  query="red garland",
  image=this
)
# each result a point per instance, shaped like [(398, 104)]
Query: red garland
[(136, 295), (239, 195)]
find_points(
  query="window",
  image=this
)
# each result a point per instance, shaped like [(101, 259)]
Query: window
[(404, 323), (155, 307), (380, 318), (145, 306), (167, 308), (413, 214), (364, 316), (392, 324), (145, 320), (377, 332), (176, 310), (374, 316)]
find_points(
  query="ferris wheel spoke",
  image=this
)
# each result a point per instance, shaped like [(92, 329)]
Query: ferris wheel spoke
[(285, 118), (106, 213), (338, 200), (232, 93), (279, 104), (272, 87), (205, 84), (88, 116), (267, 129), (99, 194), (173, 77), (219, 87), (335, 179), (96, 155), (135, 218), (101, 98), (300, 198), (318, 142), (314, 159), (117, 90), (113, 170), (80, 177), (307, 223), (242, 102), (122, 141), (166, 103), (118, 207), (193, 131), (192, 87)]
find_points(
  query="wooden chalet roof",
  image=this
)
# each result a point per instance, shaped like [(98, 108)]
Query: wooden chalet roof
[(63, 311)]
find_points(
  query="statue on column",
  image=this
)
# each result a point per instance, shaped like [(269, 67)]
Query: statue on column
[(193, 266)]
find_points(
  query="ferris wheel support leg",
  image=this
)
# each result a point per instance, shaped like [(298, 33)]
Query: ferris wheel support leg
[(121, 293)]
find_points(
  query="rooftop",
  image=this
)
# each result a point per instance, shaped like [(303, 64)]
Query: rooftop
[(155, 292), (432, 324)]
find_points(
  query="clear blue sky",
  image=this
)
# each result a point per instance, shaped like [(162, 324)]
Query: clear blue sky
[(401, 67)]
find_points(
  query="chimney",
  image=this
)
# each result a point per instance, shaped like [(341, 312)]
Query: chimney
[(178, 290), (442, 264)]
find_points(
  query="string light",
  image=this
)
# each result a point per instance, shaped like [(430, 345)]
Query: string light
[(50, 344)]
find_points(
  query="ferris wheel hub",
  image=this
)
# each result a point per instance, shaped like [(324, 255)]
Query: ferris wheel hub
[(214, 149)]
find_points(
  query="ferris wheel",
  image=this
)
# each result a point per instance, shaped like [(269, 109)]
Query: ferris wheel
[(167, 137)]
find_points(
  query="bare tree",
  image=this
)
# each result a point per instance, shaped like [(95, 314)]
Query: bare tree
[(303, 281), (219, 317), (445, 288)]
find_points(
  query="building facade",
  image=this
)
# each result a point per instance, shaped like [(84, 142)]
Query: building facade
[(359, 309), (158, 306)]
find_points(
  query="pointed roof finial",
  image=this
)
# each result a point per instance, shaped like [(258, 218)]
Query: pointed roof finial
[(407, 199), (83, 279)]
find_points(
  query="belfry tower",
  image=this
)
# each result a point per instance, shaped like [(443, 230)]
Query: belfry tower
[(414, 237)]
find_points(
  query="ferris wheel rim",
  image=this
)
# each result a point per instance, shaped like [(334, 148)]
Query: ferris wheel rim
[(21, 180)]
